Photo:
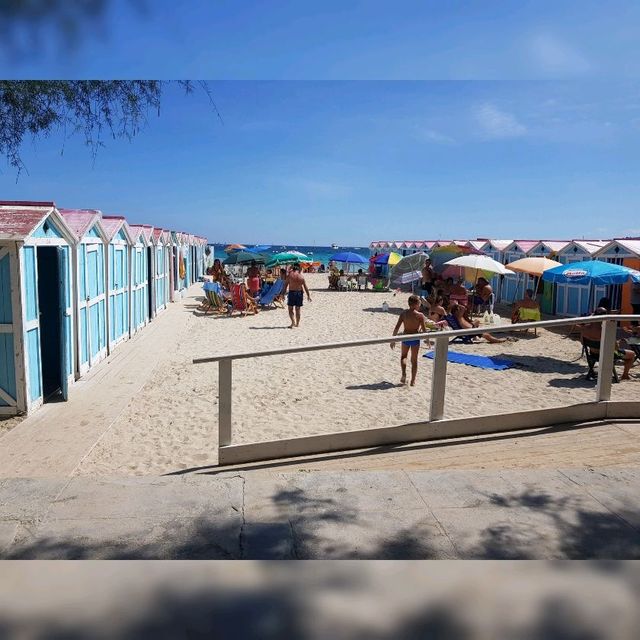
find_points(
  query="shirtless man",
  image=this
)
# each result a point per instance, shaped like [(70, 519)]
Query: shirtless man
[(413, 322), (427, 277), (295, 284), (593, 333), (483, 292)]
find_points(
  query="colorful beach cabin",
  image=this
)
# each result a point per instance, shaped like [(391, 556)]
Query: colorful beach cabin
[(118, 285), (141, 276), (574, 299), (89, 276), (161, 244), (495, 249), (36, 306), (546, 291), (623, 251)]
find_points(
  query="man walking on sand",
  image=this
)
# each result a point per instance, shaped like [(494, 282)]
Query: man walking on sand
[(295, 284)]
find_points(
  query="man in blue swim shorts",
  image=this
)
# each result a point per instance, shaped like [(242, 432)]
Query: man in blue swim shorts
[(296, 286), (413, 322)]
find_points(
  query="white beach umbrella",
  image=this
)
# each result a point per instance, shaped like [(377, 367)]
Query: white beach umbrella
[(480, 263)]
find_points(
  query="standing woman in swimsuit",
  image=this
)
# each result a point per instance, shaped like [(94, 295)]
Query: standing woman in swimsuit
[(253, 279)]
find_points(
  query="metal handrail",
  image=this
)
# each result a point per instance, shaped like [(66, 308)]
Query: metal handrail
[(438, 381), (449, 334)]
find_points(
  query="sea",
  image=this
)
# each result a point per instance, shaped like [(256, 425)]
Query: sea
[(318, 254)]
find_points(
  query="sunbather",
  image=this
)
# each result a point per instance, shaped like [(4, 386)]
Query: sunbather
[(458, 311), (526, 303), (592, 332)]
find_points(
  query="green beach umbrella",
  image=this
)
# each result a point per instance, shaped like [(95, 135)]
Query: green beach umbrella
[(244, 257), (287, 257)]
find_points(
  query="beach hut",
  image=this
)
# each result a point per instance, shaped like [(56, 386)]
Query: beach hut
[(36, 306), (140, 302), (161, 267), (573, 299), (495, 249), (89, 276), (119, 244), (546, 291), (178, 266), (513, 286), (624, 251)]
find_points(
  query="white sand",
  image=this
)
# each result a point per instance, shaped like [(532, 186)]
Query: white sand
[(172, 424)]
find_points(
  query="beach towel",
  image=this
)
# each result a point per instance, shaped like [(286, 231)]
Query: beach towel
[(483, 362)]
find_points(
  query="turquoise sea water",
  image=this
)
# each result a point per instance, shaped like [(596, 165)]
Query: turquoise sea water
[(319, 254)]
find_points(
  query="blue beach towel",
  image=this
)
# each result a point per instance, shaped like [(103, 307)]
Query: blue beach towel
[(484, 362)]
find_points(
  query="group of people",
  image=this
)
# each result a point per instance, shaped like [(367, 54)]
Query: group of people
[(258, 280)]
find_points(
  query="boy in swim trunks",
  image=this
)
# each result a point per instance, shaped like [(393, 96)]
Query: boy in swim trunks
[(413, 322)]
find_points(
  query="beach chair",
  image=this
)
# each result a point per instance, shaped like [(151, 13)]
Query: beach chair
[(591, 351), (362, 283), (269, 297), (343, 283), (525, 314), (452, 321), (239, 301), (213, 300)]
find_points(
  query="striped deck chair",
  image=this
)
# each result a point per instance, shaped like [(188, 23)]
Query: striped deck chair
[(239, 300), (213, 299)]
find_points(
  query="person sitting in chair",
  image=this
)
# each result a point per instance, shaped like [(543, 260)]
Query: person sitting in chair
[(483, 292), (458, 312), (526, 303), (592, 334)]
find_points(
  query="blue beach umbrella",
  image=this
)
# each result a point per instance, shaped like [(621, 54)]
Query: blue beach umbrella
[(592, 272), (349, 257)]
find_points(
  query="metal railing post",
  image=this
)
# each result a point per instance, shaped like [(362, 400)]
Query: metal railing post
[(224, 401), (605, 362), (439, 379)]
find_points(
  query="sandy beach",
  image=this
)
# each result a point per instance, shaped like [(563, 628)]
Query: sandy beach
[(172, 423)]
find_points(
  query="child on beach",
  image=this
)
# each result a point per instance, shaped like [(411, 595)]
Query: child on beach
[(414, 322)]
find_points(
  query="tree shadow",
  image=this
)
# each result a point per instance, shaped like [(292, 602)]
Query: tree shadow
[(580, 533)]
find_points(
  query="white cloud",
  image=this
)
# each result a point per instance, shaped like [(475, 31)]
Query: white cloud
[(431, 135), (496, 123), (552, 55)]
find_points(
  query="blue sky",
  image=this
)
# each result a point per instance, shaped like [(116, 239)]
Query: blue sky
[(341, 39), (351, 162), (348, 121)]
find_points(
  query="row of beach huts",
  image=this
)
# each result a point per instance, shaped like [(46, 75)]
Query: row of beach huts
[(560, 299), (75, 283)]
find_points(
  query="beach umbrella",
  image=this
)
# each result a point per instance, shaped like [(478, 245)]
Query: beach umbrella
[(535, 266), (439, 256), (349, 257), (244, 257), (413, 262), (388, 258), (480, 262), (591, 272), (234, 247), (287, 257), (259, 248)]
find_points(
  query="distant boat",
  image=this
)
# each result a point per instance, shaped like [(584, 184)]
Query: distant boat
[(335, 246)]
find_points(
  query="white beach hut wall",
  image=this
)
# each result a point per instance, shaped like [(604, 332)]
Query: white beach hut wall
[(161, 290), (623, 251), (513, 286), (118, 254), (36, 306), (573, 299), (89, 276), (141, 276)]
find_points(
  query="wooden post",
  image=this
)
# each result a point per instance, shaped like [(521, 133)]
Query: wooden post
[(605, 363), (224, 401), (438, 379)]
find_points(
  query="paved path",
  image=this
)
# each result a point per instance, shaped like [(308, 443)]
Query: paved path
[(542, 514), (55, 438)]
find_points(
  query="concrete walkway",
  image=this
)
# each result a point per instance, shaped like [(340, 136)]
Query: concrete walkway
[(542, 514), (55, 438)]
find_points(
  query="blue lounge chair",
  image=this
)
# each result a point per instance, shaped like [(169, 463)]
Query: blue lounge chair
[(272, 292), (452, 321)]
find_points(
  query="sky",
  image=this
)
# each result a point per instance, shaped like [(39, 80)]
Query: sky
[(458, 120)]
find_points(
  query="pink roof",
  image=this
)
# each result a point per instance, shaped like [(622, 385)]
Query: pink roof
[(147, 230), (527, 245), (500, 245), (18, 222), (80, 220), (137, 230), (477, 244), (157, 233)]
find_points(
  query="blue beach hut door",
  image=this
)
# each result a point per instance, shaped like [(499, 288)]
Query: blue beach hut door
[(65, 321)]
